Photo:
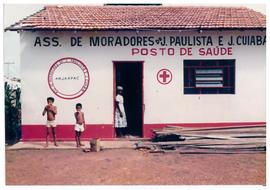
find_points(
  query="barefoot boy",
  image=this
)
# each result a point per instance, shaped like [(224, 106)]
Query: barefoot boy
[(51, 111), (80, 123)]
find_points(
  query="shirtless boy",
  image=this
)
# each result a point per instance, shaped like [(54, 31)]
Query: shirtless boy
[(51, 111), (80, 124)]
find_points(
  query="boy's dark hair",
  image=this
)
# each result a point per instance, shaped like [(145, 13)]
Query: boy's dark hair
[(79, 105), (50, 98)]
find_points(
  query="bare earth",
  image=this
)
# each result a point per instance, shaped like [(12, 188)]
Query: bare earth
[(127, 166)]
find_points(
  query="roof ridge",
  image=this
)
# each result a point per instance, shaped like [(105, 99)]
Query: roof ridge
[(141, 6)]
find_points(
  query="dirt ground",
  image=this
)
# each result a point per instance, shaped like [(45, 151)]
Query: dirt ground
[(127, 166)]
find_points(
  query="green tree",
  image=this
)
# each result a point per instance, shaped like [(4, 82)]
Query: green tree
[(12, 114)]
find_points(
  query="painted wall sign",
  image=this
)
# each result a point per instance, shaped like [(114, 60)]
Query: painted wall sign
[(150, 41), (164, 76), (68, 78), (169, 45)]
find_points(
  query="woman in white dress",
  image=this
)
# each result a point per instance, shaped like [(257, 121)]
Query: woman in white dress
[(120, 114)]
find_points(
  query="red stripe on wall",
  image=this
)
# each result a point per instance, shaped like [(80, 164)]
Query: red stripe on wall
[(106, 131), (66, 132), (147, 129)]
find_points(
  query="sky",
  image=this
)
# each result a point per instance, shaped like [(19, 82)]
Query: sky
[(16, 12)]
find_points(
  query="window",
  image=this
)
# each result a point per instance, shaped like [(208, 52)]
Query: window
[(209, 76)]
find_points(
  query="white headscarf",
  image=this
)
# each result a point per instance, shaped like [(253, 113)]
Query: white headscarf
[(119, 88)]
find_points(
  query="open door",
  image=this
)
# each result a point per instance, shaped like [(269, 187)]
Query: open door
[(129, 75)]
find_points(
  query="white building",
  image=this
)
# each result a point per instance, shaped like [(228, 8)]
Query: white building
[(181, 66)]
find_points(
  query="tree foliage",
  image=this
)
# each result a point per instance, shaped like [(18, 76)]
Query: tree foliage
[(12, 114)]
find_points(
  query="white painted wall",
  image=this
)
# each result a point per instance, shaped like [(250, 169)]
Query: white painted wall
[(163, 103)]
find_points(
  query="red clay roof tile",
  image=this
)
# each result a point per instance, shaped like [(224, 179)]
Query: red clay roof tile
[(142, 17)]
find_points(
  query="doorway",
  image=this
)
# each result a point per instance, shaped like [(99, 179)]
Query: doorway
[(129, 75)]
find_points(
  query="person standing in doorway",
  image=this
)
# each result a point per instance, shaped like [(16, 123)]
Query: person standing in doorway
[(51, 111), (120, 115)]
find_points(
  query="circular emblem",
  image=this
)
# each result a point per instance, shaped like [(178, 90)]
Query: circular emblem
[(164, 76), (68, 78)]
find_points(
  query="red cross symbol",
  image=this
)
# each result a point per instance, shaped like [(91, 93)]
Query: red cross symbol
[(164, 76)]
